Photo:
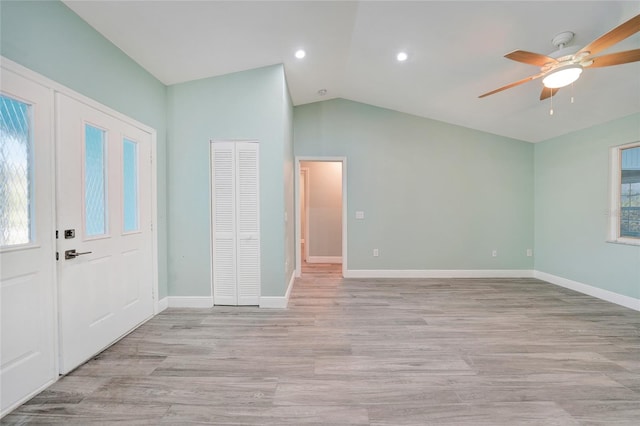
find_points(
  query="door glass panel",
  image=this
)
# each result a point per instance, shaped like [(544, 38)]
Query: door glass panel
[(130, 185), (94, 181), (16, 178)]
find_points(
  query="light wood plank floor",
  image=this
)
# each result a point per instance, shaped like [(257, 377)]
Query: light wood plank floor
[(368, 352), (321, 270)]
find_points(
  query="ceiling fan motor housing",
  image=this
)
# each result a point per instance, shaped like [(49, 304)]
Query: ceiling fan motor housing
[(562, 39)]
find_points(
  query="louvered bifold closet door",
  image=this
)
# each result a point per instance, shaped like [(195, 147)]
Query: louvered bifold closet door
[(225, 289), (248, 223), (236, 223)]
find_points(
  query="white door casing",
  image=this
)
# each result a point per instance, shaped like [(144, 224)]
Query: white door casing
[(108, 291), (235, 207), (27, 271), (298, 201), (304, 211)]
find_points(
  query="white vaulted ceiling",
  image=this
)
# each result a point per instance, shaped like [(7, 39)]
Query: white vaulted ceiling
[(455, 54)]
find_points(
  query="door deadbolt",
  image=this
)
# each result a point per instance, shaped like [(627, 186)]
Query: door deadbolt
[(72, 254)]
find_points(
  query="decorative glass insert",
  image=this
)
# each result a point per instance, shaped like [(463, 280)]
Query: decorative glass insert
[(16, 177), (94, 181), (130, 185), (630, 193)]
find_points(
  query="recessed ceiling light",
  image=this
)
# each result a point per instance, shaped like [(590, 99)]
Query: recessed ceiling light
[(300, 54), (402, 56)]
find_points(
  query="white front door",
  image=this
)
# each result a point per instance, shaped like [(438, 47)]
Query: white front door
[(104, 214), (27, 234)]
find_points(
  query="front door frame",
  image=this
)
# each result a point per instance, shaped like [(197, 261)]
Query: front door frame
[(55, 87)]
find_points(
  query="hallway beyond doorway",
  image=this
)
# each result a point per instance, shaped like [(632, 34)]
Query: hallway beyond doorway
[(321, 219), (321, 270)]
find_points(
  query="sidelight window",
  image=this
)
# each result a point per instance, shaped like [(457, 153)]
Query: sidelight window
[(16, 172)]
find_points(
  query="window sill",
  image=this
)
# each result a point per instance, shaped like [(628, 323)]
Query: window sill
[(625, 241)]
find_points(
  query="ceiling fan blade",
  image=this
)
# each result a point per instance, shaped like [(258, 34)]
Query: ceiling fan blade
[(547, 92), (530, 58), (614, 36), (509, 86), (616, 58)]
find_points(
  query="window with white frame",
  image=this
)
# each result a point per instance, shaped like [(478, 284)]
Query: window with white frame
[(625, 194)]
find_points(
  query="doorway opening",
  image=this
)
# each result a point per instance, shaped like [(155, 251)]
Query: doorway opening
[(321, 218)]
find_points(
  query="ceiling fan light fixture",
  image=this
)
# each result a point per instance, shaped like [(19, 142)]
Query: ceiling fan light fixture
[(562, 76)]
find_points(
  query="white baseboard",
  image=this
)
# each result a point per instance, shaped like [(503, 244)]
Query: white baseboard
[(190, 301), (606, 295), (278, 302), (324, 259), (162, 304), (273, 302), (292, 280), (438, 273)]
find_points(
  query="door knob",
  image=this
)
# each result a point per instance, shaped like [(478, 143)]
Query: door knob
[(72, 254)]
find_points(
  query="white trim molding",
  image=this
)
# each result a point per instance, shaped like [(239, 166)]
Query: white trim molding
[(162, 304), (297, 201), (190, 301), (324, 259), (606, 295), (273, 302), (439, 273), (278, 302)]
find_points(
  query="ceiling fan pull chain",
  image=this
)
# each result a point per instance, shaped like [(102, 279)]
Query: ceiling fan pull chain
[(571, 92), (551, 97)]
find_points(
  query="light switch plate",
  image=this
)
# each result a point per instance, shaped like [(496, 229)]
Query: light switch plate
[(359, 215)]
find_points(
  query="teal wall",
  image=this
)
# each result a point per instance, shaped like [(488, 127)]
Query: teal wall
[(435, 195), (244, 105), (572, 200), (50, 39)]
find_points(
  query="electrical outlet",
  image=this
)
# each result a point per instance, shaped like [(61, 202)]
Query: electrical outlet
[(529, 252), (376, 253), (494, 253)]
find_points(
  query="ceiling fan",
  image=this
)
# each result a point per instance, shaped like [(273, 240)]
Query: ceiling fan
[(564, 66)]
